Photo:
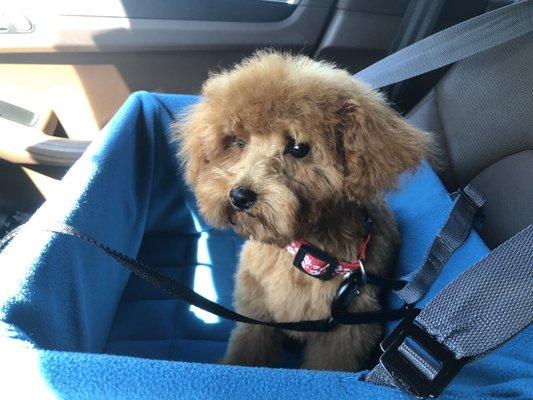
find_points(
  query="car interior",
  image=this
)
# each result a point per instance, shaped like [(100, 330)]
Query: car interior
[(67, 68)]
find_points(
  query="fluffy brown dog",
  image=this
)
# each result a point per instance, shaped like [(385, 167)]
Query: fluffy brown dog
[(283, 148)]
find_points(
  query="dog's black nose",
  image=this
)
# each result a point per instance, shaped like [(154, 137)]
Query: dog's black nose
[(242, 198)]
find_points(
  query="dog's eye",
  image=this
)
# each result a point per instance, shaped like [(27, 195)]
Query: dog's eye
[(240, 143), (234, 141), (298, 150)]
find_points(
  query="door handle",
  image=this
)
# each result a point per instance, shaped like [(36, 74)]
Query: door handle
[(14, 22), (22, 141)]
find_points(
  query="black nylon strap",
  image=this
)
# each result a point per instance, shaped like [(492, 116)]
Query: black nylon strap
[(184, 293), (387, 283), (455, 231), (346, 318)]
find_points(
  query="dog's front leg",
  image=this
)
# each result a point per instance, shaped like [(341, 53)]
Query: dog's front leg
[(253, 345), (347, 348)]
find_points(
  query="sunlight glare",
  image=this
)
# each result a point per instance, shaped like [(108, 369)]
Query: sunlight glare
[(203, 276)]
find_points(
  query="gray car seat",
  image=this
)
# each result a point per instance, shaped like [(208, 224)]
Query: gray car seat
[(481, 113)]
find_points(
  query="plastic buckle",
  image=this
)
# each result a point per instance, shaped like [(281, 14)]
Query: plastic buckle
[(305, 249), (407, 376)]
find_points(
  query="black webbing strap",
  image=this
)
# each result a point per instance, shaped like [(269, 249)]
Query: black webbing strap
[(452, 235), (184, 293), (386, 283)]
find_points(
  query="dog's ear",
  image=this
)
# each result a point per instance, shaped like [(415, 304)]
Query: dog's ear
[(190, 129), (378, 145)]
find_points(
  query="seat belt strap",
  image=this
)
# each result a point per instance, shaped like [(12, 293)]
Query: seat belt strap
[(468, 204), (450, 45), (480, 310)]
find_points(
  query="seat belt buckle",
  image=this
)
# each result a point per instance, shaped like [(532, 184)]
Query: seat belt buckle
[(437, 365)]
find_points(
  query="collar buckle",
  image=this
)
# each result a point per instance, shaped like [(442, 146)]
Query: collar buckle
[(306, 249)]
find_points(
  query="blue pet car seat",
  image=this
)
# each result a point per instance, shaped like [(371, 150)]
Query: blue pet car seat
[(75, 324)]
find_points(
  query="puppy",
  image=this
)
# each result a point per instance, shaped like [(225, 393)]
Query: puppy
[(283, 148)]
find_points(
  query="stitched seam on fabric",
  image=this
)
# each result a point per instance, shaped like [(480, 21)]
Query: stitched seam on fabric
[(149, 191), (443, 131), (501, 159), (162, 105)]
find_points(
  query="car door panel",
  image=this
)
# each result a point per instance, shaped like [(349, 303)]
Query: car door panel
[(79, 60)]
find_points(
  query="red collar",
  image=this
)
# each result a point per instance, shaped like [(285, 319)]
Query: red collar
[(321, 265)]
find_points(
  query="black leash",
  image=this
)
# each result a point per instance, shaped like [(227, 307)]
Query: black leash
[(467, 207), (178, 290)]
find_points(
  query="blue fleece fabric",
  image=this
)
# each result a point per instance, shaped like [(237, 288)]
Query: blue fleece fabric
[(74, 324)]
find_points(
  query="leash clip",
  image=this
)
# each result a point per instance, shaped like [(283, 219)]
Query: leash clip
[(348, 291)]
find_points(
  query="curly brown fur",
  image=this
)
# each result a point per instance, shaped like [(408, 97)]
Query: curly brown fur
[(236, 137)]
